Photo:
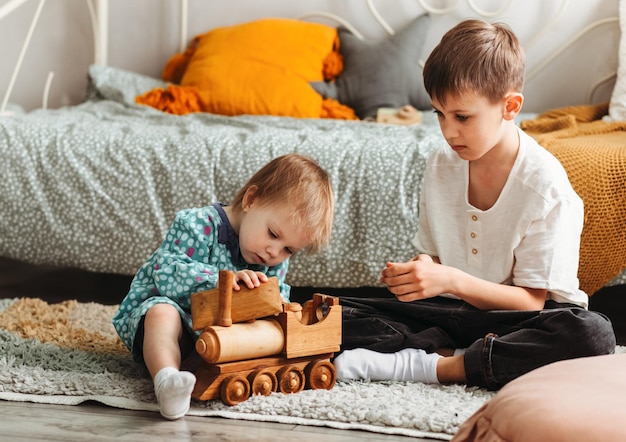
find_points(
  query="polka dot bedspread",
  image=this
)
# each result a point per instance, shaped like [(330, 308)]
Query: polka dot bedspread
[(96, 186)]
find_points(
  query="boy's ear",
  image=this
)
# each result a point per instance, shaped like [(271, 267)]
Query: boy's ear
[(513, 105), (249, 197)]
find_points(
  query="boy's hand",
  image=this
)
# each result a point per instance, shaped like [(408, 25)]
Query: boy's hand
[(419, 278), (250, 278)]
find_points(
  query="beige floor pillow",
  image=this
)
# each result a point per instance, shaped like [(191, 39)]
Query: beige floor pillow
[(576, 400)]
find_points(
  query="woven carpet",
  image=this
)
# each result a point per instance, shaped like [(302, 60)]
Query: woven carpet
[(68, 353)]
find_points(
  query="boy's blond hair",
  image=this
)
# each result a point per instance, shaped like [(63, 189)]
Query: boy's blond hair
[(298, 182), (478, 57)]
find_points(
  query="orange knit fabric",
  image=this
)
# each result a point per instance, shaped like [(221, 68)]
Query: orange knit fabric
[(593, 153), (177, 65), (333, 63), (333, 109), (173, 99)]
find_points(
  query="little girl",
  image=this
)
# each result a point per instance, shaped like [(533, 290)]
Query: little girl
[(286, 207)]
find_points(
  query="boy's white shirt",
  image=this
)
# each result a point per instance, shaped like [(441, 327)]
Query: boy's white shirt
[(529, 238)]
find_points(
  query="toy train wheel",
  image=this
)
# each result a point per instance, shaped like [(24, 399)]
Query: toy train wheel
[(290, 379), (262, 382), (234, 390), (321, 375)]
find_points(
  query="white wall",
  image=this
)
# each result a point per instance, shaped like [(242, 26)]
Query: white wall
[(145, 33)]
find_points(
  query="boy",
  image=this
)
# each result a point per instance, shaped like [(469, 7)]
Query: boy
[(494, 292)]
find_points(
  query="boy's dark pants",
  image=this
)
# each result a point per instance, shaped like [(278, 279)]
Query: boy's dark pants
[(501, 345)]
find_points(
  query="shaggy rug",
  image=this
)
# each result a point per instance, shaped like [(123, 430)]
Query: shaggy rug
[(69, 353)]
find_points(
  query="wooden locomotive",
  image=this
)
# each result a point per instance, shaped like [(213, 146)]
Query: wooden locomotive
[(254, 343)]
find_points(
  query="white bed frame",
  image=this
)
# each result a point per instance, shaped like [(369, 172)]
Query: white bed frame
[(99, 13)]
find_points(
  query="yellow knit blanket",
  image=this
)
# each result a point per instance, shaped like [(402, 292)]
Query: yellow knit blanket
[(593, 153)]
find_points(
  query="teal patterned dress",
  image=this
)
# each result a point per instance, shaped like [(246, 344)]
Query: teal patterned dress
[(199, 244)]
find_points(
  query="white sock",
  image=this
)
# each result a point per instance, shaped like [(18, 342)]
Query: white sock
[(173, 391), (409, 364), (459, 351)]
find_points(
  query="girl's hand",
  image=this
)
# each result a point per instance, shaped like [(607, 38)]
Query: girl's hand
[(250, 278), (419, 278)]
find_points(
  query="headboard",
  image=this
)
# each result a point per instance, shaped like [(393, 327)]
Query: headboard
[(571, 46)]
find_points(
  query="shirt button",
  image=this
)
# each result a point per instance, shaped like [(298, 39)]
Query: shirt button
[(475, 251), (473, 235), (474, 218)]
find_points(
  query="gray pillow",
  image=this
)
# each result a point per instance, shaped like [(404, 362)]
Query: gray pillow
[(384, 73), (111, 83)]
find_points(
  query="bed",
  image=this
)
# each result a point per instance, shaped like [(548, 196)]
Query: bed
[(94, 185)]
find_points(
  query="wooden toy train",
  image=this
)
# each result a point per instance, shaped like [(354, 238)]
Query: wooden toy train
[(254, 343)]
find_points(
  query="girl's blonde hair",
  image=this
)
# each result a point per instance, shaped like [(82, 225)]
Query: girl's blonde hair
[(298, 182), (475, 56)]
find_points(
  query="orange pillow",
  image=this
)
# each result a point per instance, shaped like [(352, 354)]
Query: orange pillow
[(259, 67)]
